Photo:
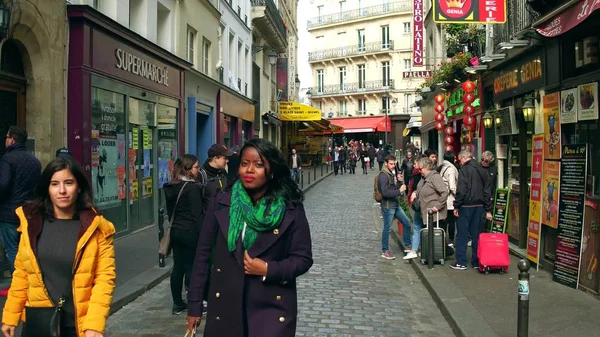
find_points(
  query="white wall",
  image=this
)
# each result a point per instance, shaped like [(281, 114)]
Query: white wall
[(236, 63)]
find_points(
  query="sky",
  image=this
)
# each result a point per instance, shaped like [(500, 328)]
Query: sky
[(304, 73)]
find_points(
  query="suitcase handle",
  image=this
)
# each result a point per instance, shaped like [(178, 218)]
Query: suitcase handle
[(430, 213)]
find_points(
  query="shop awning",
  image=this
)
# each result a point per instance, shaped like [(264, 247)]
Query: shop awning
[(413, 122), (364, 124), (319, 127), (565, 17)]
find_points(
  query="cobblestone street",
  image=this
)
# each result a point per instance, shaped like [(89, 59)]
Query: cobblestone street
[(350, 290)]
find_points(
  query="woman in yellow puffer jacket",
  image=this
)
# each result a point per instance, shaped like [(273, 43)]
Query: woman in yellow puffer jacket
[(66, 252)]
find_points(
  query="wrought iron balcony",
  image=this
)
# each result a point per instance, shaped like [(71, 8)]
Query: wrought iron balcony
[(400, 6), (519, 19), (346, 51), (353, 88), (267, 19)]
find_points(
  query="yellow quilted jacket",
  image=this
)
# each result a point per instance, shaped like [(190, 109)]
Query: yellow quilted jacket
[(93, 282)]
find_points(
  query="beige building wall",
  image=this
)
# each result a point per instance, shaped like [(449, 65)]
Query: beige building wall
[(39, 29), (334, 43)]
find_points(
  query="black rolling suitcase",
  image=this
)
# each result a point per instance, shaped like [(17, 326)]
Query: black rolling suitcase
[(439, 242)]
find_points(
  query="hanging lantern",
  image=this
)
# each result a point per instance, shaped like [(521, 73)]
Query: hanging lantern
[(439, 98), (468, 86), (439, 126), (468, 98), (449, 148), (449, 131), (469, 122), (469, 110), (439, 117), (439, 108), (449, 140)]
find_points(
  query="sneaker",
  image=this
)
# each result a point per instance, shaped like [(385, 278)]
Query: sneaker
[(458, 266), (178, 309), (469, 243), (475, 266), (451, 245), (408, 250), (411, 255), (388, 255), (204, 307)]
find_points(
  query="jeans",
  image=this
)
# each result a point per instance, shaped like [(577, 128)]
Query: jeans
[(468, 223), (417, 226), (295, 175), (10, 241), (380, 165), (388, 217), (336, 167), (184, 250)]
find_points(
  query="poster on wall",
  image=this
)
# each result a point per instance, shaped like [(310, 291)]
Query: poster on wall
[(535, 199), (568, 106), (571, 214), (588, 102), (500, 210), (550, 188), (551, 108), (147, 189), (122, 189), (163, 172), (146, 163), (104, 173)]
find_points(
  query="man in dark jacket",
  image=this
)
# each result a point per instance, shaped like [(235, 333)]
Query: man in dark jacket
[(233, 165), (391, 188), (343, 159), (19, 173), (472, 200), (371, 152), (488, 164), (214, 168), (380, 157)]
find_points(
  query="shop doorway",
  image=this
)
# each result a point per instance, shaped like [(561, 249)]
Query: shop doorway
[(204, 131), (12, 89)]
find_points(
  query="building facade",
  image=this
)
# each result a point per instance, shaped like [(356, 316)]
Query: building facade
[(32, 73), (362, 64)]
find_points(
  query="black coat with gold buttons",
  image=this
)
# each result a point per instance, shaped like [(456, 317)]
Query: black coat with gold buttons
[(242, 305)]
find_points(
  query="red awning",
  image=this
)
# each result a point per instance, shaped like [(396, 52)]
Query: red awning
[(565, 17), (363, 124)]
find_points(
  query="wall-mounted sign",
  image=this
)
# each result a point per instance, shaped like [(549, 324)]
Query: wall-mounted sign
[(500, 210), (418, 33), (417, 74), (567, 19), (138, 66), (469, 11), (535, 199), (293, 111), (506, 121), (455, 100), (525, 76)]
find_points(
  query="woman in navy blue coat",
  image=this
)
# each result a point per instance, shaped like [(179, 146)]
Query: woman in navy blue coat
[(260, 240)]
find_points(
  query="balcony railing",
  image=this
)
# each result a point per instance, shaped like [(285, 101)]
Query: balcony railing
[(519, 19), (332, 53), (400, 6), (354, 88), (274, 12)]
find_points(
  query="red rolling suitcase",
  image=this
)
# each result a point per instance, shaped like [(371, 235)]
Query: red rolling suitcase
[(492, 252)]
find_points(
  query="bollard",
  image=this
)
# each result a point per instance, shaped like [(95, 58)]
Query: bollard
[(327, 168), (430, 238), (321, 170), (161, 233), (523, 312), (302, 180), (308, 177), (314, 173)]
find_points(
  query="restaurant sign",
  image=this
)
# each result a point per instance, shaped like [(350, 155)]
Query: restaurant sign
[(417, 74), (522, 77), (455, 100), (568, 19), (469, 11)]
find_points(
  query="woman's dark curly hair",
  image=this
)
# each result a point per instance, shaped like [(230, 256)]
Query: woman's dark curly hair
[(281, 182), (42, 202)]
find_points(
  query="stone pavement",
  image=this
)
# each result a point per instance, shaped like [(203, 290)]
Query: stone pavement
[(350, 290)]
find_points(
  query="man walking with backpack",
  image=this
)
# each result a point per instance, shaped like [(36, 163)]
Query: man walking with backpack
[(388, 188)]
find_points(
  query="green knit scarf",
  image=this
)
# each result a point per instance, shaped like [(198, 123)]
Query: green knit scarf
[(258, 218)]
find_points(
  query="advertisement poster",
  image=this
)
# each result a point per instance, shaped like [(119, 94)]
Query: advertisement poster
[(282, 79), (550, 188), (146, 163), (570, 220), (550, 105), (500, 211), (122, 189), (132, 173), (535, 199), (147, 138), (588, 101), (147, 191), (135, 190), (104, 174), (568, 106), (469, 11), (135, 141), (163, 172)]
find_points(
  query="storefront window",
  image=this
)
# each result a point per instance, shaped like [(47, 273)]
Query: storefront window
[(587, 132), (227, 131), (108, 155), (167, 142), (247, 129)]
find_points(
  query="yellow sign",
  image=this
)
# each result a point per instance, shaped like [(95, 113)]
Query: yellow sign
[(293, 111)]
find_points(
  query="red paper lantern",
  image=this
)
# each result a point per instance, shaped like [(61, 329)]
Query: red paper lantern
[(439, 99), (468, 98), (449, 148), (439, 108), (439, 126), (449, 131), (439, 117), (469, 122), (468, 86), (449, 140), (469, 110)]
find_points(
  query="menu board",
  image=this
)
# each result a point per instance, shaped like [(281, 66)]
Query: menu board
[(500, 210), (570, 215)]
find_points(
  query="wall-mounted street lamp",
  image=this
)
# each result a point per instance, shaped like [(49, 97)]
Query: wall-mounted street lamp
[(272, 54), (488, 120), (528, 111)]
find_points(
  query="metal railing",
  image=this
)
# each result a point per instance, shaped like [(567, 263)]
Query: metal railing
[(519, 18), (274, 12), (400, 6), (332, 53), (354, 87)]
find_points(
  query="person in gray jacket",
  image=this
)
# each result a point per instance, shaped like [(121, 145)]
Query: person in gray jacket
[(449, 173), (433, 194), (391, 187)]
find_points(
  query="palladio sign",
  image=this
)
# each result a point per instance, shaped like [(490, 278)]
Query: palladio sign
[(140, 67)]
